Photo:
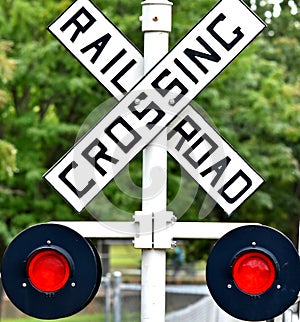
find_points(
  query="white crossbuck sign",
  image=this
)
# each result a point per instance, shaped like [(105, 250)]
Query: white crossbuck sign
[(153, 102)]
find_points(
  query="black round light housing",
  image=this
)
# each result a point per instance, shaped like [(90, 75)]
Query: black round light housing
[(253, 273), (49, 271)]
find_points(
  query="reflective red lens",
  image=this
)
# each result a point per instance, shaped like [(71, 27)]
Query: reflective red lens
[(253, 272), (48, 270)]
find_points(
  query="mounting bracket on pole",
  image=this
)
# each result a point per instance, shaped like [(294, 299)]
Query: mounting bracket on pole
[(143, 221), (163, 224), (154, 230)]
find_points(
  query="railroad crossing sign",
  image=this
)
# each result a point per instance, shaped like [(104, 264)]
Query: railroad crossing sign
[(158, 100)]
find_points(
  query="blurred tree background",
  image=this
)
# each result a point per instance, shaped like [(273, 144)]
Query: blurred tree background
[(45, 96)]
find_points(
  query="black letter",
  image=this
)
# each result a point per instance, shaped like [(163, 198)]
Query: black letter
[(96, 44), (175, 82), (136, 136), (62, 176), (192, 54), (233, 199), (100, 155), (213, 148), (80, 28), (152, 106), (219, 168), (113, 61), (185, 70), (185, 136), (122, 73), (237, 31)]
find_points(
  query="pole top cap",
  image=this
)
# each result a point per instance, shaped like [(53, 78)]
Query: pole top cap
[(156, 15), (157, 2)]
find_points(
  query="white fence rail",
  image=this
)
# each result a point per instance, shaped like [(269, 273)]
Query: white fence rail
[(203, 310)]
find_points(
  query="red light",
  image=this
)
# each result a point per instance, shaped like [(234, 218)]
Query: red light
[(48, 270), (253, 272)]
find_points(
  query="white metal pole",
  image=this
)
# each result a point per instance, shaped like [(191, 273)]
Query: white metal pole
[(156, 25), (117, 297)]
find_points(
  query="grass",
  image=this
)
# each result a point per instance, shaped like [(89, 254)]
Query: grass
[(124, 256), (127, 317), (76, 318)]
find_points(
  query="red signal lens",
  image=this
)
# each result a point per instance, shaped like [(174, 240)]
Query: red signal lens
[(48, 270), (253, 272)]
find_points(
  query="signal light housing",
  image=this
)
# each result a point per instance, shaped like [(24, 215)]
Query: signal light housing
[(253, 273), (49, 271)]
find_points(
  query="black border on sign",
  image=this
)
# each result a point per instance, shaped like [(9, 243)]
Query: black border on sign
[(178, 43), (117, 29), (237, 152)]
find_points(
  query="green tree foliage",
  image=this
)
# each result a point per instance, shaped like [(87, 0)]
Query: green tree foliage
[(7, 150), (255, 106), (46, 95)]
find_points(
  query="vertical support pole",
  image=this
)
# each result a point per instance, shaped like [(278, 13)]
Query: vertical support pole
[(156, 25), (107, 286), (117, 297), (103, 249)]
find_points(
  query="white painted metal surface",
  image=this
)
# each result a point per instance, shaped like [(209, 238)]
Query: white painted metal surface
[(124, 230), (156, 25), (204, 230), (103, 229), (211, 161), (143, 113)]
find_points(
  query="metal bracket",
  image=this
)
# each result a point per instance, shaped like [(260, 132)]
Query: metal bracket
[(154, 230), (143, 224), (163, 230)]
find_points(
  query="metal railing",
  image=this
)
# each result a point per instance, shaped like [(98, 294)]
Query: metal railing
[(204, 309)]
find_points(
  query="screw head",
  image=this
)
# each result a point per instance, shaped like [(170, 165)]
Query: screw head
[(172, 101)]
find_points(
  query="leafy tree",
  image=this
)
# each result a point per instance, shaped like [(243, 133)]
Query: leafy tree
[(255, 105), (46, 95), (42, 114), (7, 150)]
